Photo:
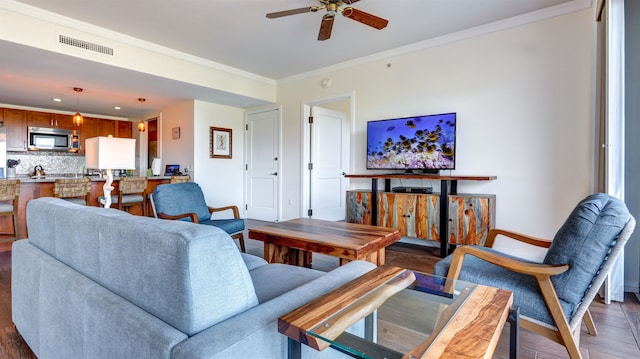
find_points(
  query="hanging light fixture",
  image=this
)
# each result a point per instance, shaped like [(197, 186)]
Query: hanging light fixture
[(77, 118), (141, 125)]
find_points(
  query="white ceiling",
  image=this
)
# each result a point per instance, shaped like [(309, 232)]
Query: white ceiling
[(235, 33)]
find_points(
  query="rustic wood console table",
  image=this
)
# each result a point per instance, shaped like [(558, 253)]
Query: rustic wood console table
[(448, 185)]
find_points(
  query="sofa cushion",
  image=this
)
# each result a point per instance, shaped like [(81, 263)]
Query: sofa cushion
[(180, 198), (180, 272), (583, 242), (273, 280)]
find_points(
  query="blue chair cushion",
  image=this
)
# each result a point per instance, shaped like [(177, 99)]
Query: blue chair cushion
[(230, 226), (583, 242), (180, 198), (526, 293)]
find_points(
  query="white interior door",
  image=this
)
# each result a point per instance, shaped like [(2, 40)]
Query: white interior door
[(263, 141), (329, 163)]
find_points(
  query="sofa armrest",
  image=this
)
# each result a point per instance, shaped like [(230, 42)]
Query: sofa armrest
[(254, 333)]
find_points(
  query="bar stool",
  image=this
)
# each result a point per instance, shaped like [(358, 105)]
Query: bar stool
[(10, 191), (131, 192), (180, 179), (75, 190)]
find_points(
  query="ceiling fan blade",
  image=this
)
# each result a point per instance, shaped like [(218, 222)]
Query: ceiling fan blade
[(325, 27), (365, 18), (302, 10), (349, 2)]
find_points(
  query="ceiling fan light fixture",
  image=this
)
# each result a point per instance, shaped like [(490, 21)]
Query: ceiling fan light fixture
[(141, 125), (333, 7), (77, 118)]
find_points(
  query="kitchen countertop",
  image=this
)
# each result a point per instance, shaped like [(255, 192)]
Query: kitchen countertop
[(52, 178)]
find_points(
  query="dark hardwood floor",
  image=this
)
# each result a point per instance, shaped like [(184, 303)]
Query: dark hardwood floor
[(618, 323)]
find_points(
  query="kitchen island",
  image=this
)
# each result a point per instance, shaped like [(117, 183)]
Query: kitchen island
[(31, 188)]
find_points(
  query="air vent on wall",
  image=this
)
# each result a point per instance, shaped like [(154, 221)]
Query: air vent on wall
[(85, 45)]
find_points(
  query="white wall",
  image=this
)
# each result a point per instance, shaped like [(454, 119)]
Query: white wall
[(524, 98), (178, 151), (221, 179)]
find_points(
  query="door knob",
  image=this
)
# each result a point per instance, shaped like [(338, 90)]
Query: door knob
[(274, 173)]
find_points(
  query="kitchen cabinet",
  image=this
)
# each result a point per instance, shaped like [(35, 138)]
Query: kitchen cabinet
[(39, 119), (64, 121), (54, 120), (124, 129), (106, 127), (16, 123), (89, 129), (94, 127)]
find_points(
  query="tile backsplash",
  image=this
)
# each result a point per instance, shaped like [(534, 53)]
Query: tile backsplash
[(51, 162)]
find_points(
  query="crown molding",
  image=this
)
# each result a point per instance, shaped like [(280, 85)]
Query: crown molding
[(91, 29), (535, 16)]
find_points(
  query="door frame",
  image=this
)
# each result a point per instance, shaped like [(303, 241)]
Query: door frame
[(259, 109), (306, 139)]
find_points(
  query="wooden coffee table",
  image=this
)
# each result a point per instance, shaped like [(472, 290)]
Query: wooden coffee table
[(406, 314), (293, 241)]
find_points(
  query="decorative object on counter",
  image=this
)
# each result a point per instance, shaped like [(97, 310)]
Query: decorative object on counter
[(11, 168), (170, 170), (107, 153), (156, 163), (10, 191), (38, 172), (141, 125), (220, 141), (77, 118)]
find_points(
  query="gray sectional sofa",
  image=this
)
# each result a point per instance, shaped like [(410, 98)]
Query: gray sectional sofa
[(92, 282)]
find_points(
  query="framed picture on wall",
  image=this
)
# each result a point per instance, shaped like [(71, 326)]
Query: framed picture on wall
[(220, 141)]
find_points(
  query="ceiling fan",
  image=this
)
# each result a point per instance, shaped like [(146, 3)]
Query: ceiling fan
[(333, 7)]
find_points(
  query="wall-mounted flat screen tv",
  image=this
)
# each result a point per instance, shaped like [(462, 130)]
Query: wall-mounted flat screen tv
[(412, 143)]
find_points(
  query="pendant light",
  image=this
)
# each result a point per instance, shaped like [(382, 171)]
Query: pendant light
[(77, 118), (141, 125)]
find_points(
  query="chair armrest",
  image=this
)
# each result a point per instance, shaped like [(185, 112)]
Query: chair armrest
[(193, 216), (493, 233), (537, 270), (236, 212)]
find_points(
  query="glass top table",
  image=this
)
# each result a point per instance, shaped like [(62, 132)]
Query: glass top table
[(393, 312)]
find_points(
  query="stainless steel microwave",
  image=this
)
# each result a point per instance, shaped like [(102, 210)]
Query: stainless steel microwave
[(55, 139)]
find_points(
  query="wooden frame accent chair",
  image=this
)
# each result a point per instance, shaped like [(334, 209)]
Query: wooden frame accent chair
[(75, 190), (553, 296), (10, 192), (185, 201)]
